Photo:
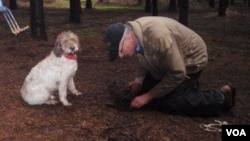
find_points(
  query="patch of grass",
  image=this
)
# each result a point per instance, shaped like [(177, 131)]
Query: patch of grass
[(86, 32), (118, 8), (65, 4)]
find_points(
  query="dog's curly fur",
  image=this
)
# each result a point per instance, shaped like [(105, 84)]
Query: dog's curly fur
[(53, 73)]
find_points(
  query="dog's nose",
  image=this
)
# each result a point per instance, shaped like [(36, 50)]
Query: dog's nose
[(72, 48)]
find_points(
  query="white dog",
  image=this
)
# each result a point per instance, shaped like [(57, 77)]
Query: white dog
[(55, 72)]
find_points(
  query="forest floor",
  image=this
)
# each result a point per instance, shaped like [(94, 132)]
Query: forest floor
[(90, 118)]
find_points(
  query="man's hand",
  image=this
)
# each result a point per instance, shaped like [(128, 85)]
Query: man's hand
[(141, 100)]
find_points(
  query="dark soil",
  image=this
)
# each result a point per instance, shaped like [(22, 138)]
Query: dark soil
[(92, 117)]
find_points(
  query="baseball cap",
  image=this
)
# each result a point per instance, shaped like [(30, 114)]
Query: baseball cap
[(113, 35)]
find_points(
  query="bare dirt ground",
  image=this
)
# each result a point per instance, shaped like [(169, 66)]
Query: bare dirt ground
[(89, 118)]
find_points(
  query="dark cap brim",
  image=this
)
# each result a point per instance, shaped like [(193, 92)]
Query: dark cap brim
[(113, 52), (113, 35)]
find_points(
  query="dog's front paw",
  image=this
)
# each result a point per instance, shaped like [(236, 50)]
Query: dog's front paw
[(67, 104), (51, 102), (77, 93)]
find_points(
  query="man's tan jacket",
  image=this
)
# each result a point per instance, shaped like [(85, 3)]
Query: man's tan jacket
[(171, 51)]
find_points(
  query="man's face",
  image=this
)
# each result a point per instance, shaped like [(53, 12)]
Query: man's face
[(127, 46)]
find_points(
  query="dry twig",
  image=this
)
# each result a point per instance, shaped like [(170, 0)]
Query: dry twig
[(125, 127)]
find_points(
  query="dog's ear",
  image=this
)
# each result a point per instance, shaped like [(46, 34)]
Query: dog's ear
[(58, 49)]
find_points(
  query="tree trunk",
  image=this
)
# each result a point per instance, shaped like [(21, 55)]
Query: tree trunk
[(223, 4), (183, 15), (12, 4), (148, 6), (211, 3), (172, 6), (139, 2), (75, 11), (155, 8), (37, 24), (232, 2), (88, 4)]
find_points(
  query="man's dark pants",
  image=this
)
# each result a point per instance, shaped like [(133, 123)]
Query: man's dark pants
[(186, 99)]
